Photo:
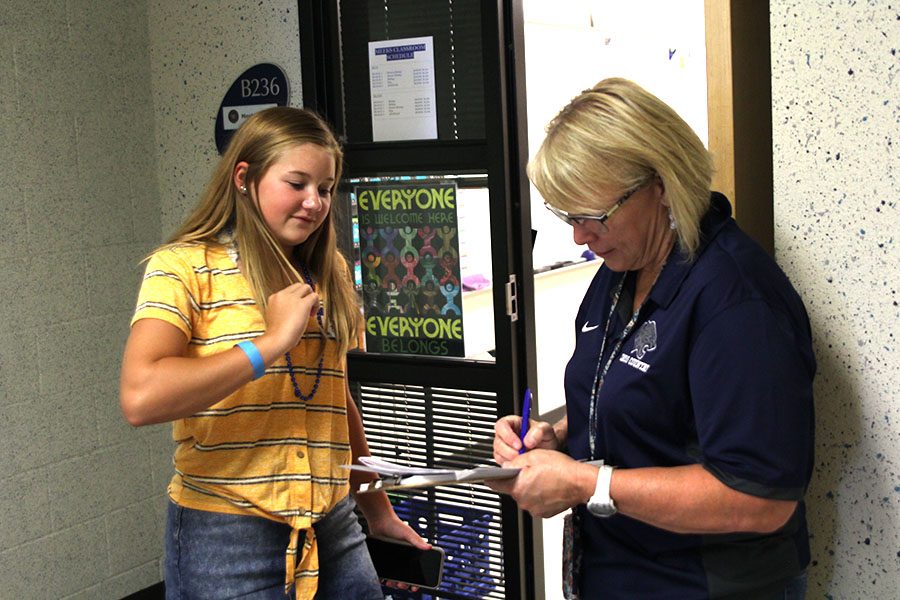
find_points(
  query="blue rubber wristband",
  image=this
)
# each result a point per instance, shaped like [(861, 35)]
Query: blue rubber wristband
[(256, 359)]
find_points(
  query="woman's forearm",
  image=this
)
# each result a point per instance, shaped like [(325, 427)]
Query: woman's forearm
[(690, 499)]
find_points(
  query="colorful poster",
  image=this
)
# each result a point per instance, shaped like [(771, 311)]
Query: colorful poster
[(409, 249)]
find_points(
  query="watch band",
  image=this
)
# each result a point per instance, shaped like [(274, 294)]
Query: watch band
[(600, 504)]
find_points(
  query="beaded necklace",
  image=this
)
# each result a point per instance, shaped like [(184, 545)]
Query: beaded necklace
[(320, 313), (227, 238)]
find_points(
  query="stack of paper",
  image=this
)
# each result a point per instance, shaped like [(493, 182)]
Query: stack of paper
[(396, 476)]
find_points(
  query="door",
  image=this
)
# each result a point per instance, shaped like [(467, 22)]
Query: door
[(434, 213)]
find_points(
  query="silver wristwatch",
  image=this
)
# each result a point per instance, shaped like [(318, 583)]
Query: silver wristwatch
[(600, 504)]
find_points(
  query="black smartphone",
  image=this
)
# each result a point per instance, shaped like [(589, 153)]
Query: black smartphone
[(403, 562)]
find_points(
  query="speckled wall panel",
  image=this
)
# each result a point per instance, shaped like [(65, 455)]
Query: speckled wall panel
[(836, 125), (78, 209), (198, 49)]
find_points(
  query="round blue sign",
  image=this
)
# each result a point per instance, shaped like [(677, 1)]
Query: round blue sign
[(259, 87)]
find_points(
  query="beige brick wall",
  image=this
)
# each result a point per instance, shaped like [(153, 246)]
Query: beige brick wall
[(106, 135)]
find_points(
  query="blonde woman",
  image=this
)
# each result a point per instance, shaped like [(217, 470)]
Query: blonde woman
[(691, 376), (239, 339)]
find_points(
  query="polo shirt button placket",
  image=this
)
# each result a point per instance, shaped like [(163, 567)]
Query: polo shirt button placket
[(301, 465)]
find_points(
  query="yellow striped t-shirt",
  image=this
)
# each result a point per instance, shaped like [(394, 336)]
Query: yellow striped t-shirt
[(260, 451)]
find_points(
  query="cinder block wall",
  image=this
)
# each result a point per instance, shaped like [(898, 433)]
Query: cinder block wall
[(106, 137), (79, 490), (197, 51)]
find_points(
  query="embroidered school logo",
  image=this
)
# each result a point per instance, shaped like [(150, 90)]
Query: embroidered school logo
[(644, 342), (645, 339)]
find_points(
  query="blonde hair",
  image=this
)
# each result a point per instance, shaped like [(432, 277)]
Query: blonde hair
[(260, 141), (617, 136)]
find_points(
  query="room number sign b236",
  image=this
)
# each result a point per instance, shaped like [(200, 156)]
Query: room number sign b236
[(259, 87)]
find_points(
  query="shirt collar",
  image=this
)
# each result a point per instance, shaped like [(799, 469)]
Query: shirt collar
[(677, 266)]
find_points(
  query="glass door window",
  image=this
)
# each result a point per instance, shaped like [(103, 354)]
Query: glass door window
[(432, 226)]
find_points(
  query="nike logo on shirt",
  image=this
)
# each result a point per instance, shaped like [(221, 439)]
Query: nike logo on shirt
[(585, 328)]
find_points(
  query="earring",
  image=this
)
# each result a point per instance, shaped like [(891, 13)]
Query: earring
[(243, 189), (672, 224)]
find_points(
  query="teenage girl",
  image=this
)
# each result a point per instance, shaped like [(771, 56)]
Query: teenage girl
[(239, 338)]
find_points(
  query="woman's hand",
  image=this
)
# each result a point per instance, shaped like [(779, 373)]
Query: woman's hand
[(507, 442), (549, 482)]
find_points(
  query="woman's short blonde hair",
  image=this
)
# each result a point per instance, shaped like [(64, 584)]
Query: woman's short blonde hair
[(617, 136)]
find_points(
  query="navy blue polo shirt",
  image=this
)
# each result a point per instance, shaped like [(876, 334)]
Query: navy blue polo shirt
[(717, 371)]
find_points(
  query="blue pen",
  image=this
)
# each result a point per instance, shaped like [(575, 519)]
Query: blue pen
[(526, 417)]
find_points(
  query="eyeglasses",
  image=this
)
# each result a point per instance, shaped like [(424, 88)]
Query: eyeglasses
[(571, 219)]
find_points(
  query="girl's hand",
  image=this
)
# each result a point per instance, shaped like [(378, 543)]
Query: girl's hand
[(394, 528), (288, 313)]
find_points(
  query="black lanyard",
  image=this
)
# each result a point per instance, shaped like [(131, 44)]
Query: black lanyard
[(600, 373)]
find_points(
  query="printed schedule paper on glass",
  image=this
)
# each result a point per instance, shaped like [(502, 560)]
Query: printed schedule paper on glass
[(401, 83), (395, 476)]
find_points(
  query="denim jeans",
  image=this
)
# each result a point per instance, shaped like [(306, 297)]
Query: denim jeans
[(220, 556)]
